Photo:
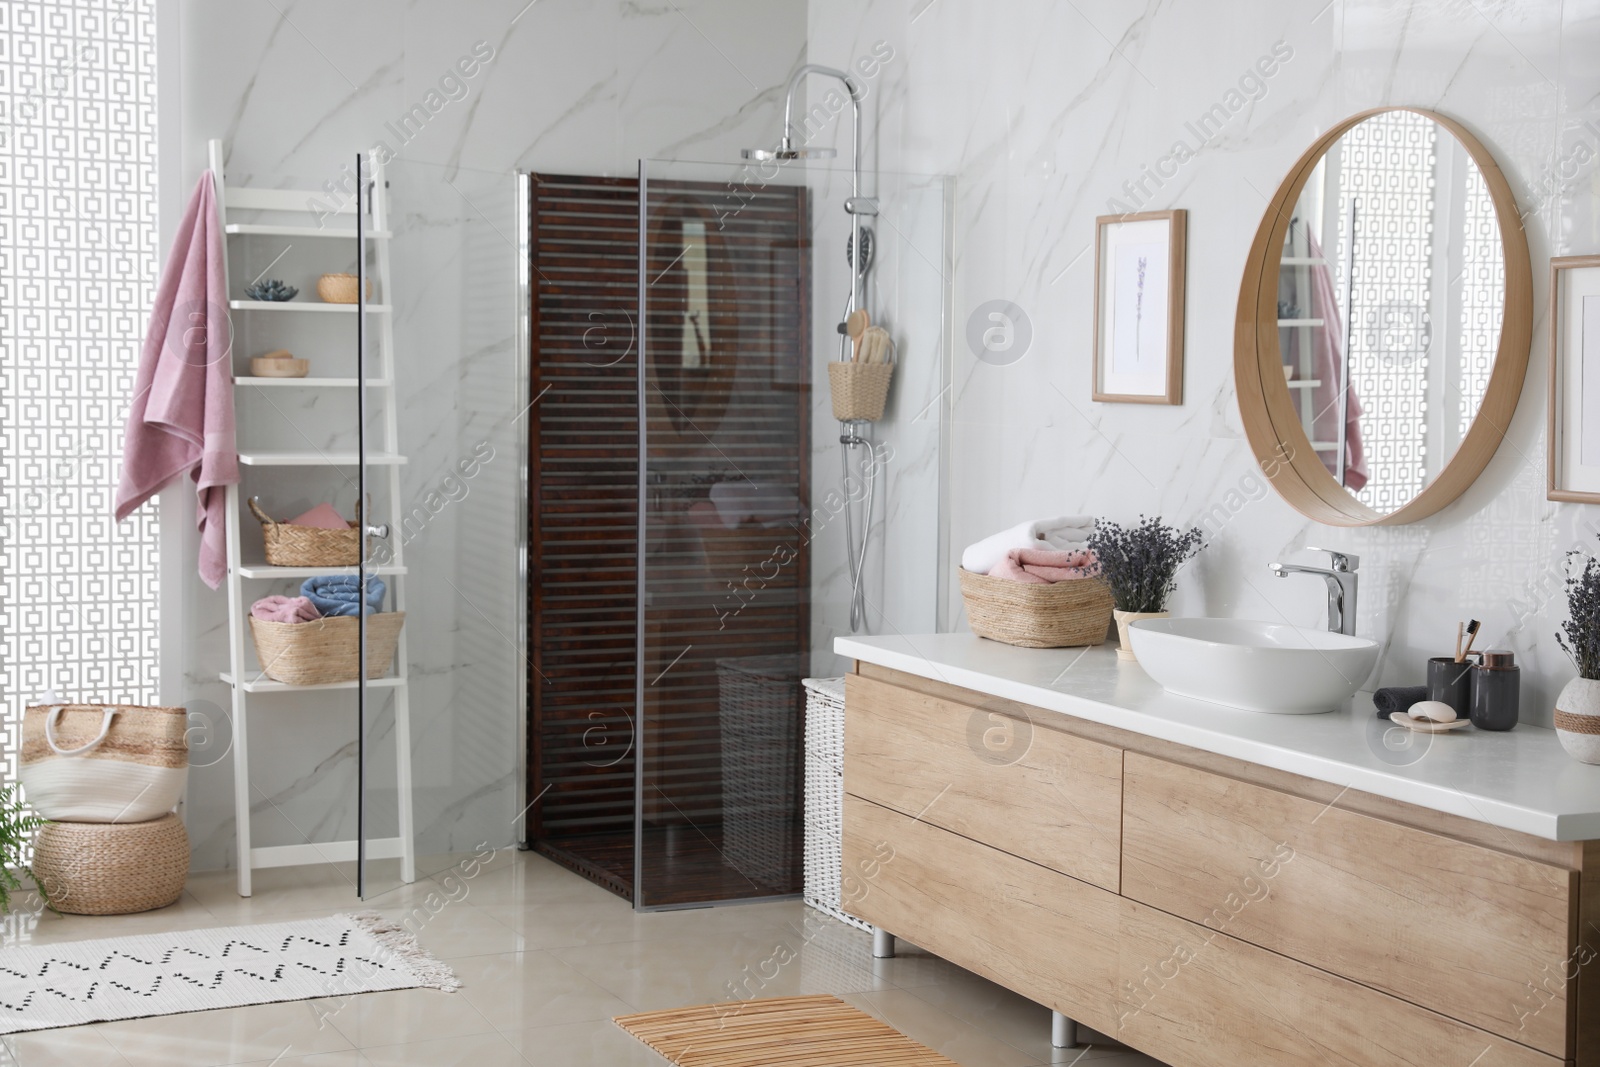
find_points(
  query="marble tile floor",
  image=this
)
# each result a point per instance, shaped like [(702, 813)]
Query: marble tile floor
[(546, 959)]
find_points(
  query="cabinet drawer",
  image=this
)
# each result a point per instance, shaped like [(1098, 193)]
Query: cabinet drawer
[(1014, 782), (1472, 933), (1046, 936), (1166, 986)]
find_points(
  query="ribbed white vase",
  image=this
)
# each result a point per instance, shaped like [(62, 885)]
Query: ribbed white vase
[(1578, 719)]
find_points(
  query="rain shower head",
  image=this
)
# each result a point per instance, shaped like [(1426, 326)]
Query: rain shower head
[(784, 152)]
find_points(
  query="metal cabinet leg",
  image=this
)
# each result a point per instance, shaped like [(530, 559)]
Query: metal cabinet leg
[(882, 944), (1063, 1031)]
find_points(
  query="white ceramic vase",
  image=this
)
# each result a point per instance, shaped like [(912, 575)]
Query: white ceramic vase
[(1578, 719), (1125, 646)]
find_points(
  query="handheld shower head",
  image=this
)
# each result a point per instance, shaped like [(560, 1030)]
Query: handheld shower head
[(863, 262)]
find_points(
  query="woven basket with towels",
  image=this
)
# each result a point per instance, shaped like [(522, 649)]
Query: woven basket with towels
[(288, 545), (1050, 615)]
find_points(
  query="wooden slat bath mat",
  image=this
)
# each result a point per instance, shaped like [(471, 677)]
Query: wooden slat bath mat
[(816, 1031)]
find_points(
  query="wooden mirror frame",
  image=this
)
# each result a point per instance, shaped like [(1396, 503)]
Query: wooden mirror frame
[(1270, 423)]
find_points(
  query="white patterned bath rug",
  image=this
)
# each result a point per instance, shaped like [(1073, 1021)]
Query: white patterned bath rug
[(79, 982)]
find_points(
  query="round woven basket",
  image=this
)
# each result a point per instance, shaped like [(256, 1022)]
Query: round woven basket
[(325, 650), (1054, 615), (341, 288), (859, 389), (307, 546), (91, 868)]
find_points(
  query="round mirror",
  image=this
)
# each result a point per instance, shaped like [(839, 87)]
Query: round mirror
[(1384, 320), (693, 320)]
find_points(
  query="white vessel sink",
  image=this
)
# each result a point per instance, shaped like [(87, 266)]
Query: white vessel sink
[(1258, 666)]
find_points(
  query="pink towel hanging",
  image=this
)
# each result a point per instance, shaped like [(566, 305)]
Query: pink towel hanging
[(181, 416)]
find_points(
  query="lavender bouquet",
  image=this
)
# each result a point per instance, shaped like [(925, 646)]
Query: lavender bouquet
[(1579, 636), (1141, 564)]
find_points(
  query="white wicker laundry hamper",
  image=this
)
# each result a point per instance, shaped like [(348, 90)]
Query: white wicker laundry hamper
[(825, 797)]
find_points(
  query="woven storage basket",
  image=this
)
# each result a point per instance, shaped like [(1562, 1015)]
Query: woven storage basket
[(308, 546), (825, 798), (112, 868), (859, 389), (325, 650), (761, 711), (340, 288), (1056, 615), (103, 762)]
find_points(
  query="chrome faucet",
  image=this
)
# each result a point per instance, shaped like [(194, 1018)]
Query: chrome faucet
[(1342, 581)]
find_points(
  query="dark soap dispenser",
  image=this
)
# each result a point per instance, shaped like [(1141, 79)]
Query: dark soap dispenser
[(1495, 685)]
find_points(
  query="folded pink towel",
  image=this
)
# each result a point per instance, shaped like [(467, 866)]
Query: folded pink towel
[(284, 609), (321, 517), (1038, 566)]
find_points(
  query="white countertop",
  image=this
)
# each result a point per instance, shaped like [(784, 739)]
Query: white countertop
[(1519, 780)]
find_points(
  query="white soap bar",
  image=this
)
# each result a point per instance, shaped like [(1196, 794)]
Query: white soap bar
[(1435, 710)]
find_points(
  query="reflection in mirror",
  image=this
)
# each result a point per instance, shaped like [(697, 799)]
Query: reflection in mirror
[(694, 346), (1391, 299), (691, 313)]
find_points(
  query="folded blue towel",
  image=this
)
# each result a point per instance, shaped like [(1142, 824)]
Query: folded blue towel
[(338, 594)]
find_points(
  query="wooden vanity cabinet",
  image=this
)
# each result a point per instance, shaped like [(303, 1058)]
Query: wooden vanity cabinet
[(1205, 910)]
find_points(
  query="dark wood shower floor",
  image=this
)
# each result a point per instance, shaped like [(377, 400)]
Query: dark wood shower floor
[(682, 866)]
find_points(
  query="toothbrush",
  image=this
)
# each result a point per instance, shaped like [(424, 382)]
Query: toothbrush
[(1460, 632), (1472, 635)]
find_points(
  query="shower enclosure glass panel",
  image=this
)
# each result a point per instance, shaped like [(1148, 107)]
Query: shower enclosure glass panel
[(724, 574), (451, 384), (747, 497)]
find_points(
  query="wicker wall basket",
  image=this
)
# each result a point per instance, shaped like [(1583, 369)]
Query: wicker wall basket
[(1058, 615), (859, 389), (341, 288), (90, 868), (307, 546), (325, 651)]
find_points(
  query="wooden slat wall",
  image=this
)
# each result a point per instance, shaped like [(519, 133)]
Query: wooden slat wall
[(583, 462), (747, 417)]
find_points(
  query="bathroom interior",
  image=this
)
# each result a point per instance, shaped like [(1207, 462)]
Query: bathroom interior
[(947, 533)]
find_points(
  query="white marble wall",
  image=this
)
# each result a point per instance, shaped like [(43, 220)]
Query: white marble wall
[(1043, 110), (295, 90)]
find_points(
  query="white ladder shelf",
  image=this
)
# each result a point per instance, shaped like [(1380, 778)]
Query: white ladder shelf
[(241, 678)]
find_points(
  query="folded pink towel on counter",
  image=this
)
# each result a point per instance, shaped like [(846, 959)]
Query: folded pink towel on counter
[(1039, 566), (321, 517), (284, 609)]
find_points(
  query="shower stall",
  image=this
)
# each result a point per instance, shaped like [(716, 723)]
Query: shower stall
[(688, 560)]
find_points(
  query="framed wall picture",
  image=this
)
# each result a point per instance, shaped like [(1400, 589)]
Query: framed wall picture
[(1138, 307), (1572, 468)]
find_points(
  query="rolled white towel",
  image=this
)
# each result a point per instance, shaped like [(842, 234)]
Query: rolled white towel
[(1063, 532)]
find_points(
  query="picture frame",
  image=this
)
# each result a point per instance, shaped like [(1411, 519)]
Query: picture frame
[(1139, 266), (1572, 443)]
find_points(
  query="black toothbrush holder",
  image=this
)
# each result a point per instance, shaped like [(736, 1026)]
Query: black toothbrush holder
[(1450, 682)]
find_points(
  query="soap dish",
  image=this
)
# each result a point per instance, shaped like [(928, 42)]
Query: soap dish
[(1427, 726)]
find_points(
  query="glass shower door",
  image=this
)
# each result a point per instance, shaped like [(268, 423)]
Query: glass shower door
[(724, 570), (767, 526), (439, 730)]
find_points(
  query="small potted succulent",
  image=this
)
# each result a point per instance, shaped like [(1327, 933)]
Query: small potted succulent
[(1578, 705), (17, 825), (1141, 564)]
